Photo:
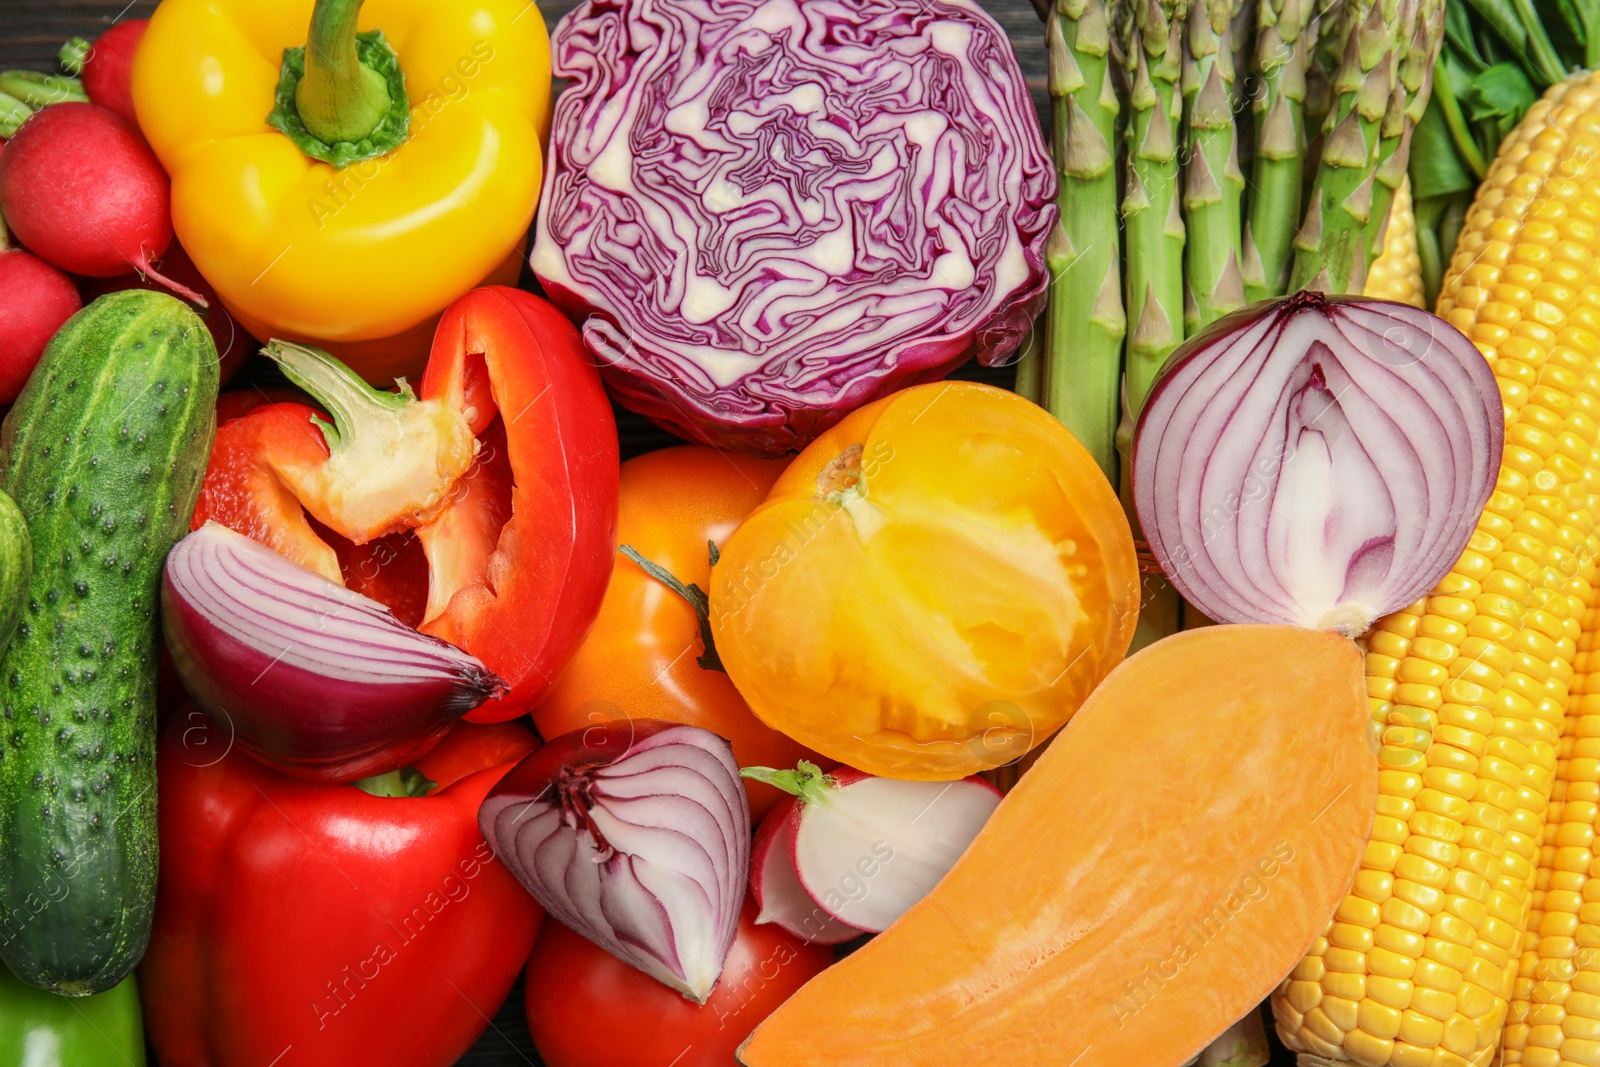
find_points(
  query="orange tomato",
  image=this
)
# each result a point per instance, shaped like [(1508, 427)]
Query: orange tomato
[(641, 658), (932, 587)]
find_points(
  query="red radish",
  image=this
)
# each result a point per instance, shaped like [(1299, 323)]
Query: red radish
[(783, 901), (81, 189), (863, 849), (108, 68), (234, 345), (35, 299)]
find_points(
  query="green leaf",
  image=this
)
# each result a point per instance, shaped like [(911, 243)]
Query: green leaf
[(1460, 77), (1437, 169), (1501, 94), (1459, 40), (1500, 16), (1568, 12)]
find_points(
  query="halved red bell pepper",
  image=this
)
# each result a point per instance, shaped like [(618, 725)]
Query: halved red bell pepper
[(482, 508), (307, 924)]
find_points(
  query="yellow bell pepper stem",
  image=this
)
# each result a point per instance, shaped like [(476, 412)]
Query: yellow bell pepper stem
[(340, 98)]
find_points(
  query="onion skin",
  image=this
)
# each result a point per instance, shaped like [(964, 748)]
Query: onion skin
[(637, 836), (302, 722), (1317, 461)]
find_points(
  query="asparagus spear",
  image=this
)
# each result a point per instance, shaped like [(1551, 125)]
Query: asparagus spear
[(1155, 236), (1285, 38), (1150, 207), (1213, 186), (1241, 29), (1379, 90), (1325, 48), (1085, 320), (1417, 65), (1030, 364)]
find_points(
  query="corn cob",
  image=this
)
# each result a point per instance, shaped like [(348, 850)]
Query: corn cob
[(1554, 997), (1397, 272), (1554, 1016), (1469, 686)]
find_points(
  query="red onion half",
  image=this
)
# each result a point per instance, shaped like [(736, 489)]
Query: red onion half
[(1318, 461), (637, 836), (315, 680)]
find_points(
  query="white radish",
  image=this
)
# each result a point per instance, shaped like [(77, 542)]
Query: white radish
[(853, 852), (779, 895)]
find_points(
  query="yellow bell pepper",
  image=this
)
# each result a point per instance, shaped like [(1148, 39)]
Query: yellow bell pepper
[(440, 176)]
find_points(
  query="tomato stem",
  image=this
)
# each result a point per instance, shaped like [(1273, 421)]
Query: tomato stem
[(697, 598)]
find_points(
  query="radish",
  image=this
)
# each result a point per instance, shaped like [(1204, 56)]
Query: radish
[(107, 66), (35, 299), (81, 189), (778, 892), (861, 849)]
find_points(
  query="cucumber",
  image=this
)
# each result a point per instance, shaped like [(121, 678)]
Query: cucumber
[(16, 567), (104, 453)]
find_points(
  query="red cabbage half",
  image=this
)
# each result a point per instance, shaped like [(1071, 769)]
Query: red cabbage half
[(766, 214)]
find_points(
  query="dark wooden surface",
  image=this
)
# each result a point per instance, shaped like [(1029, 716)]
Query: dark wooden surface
[(32, 30)]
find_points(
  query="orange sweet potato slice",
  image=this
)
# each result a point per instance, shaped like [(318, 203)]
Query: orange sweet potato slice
[(1169, 859)]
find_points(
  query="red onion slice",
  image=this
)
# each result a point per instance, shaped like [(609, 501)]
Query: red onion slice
[(1318, 461), (637, 836), (314, 679)]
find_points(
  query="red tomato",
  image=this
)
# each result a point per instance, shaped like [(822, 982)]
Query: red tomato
[(586, 1008), (641, 659)]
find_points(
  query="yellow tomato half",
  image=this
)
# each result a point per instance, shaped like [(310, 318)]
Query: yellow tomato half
[(932, 588)]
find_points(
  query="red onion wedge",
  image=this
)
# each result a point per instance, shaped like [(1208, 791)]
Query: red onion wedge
[(637, 836), (1319, 461), (315, 680), (861, 849)]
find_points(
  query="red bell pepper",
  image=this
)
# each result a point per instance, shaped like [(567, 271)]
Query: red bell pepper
[(482, 509), (303, 925)]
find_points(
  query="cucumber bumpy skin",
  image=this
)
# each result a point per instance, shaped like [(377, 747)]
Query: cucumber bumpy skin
[(104, 453), (16, 568)]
